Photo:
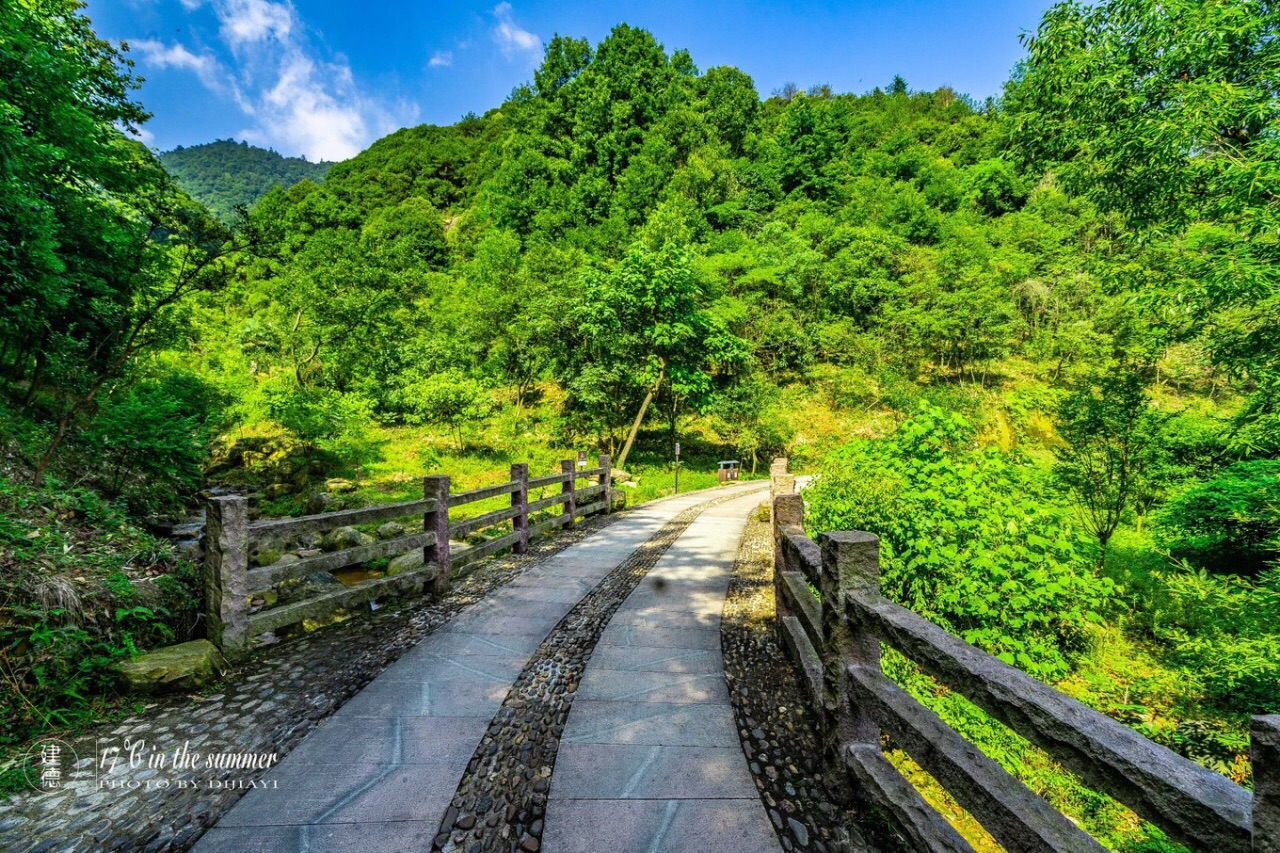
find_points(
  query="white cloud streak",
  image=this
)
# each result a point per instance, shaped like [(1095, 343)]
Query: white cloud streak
[(510, 36), (299, 102), (441, 59)]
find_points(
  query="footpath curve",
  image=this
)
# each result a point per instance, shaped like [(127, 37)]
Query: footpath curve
[(442, 749)]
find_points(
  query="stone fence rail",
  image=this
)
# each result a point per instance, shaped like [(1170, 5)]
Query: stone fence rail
[(836, 636), (230, 582)]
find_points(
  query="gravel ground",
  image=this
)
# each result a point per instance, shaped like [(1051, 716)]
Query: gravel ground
[(810, 812), (267, 705), (501, 801)]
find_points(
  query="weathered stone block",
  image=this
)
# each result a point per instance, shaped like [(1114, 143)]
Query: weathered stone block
[(406, 562), (617, 500), (265, 557), (391, 530), (276, 490), (345, 537), (339, 486), (186, 666), (318, 503)]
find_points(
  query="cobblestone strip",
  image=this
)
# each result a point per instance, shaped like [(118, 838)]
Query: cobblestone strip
[(501, 800), (777, 729), (268, 705)]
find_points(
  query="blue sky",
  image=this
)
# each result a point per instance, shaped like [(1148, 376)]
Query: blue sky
[(324, 78)]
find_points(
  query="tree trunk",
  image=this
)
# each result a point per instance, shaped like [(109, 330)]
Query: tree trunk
[(635, 425)]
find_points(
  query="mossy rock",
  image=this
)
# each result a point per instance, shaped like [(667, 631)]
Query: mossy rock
[(406, 562), (186, 667), (391, 530)]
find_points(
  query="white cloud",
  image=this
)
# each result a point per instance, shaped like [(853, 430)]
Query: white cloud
[(141, 134), (246, 22), (441, 59), (510, 36), (299, 102)]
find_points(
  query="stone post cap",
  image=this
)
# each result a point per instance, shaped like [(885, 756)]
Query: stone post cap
[(844, 538)]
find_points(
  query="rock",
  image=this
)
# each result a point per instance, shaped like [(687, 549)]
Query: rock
[(263, 598), (318, 503), (391, 530), (303, 553), (617, 500), (618, 476), (306, 541), (186, 666), (339, 486), (278, 490), (799, 830), (322, 579), (345, 537), (406, 562), (287, 560), (265, 557)]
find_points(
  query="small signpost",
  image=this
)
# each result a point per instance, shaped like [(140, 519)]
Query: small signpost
[(582, 459)]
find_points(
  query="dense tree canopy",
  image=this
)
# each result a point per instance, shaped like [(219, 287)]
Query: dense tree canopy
[(226, 175)]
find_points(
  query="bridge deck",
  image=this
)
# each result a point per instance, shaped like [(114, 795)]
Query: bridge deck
[(649, 759)]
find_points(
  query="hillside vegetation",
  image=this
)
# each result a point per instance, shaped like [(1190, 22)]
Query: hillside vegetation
[(225, 175), (1029, 342)]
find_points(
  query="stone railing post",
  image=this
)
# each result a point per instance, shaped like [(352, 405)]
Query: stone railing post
[(1264, 737), (520, 500), (788, 512), (850, 561), (780, 482), (570, 467), (437, 522), (226, 579), (606, 480)]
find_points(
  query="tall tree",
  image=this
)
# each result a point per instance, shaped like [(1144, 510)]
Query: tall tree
[(647, 320)]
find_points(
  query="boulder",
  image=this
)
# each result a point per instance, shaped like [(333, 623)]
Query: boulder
[(339, 486), (345, 537), (406, 562), (278, 490), (318, 503), (287, 560), (186, 666), (617, 500), (619, 476), (264, 557), (391, 530)]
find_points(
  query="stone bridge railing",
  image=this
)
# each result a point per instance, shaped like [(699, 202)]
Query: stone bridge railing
[(230, 538), (836, 636)]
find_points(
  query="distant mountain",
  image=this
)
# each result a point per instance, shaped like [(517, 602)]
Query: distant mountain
[(226, 173)]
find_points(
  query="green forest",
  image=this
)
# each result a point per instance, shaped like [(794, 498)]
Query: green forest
[(1029, 342), (226, 175)]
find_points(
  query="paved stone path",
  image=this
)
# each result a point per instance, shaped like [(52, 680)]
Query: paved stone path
[(650, 760), (381, 773)]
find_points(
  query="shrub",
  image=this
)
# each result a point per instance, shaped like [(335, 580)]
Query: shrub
[(80, 589), (967, 539), (147, 443), (1223, 628), (1229, 523)]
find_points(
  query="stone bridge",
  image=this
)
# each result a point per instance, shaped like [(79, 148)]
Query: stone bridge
[(621, 688)]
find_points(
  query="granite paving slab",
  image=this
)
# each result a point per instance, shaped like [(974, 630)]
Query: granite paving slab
[(396, 750), (651, 759)]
